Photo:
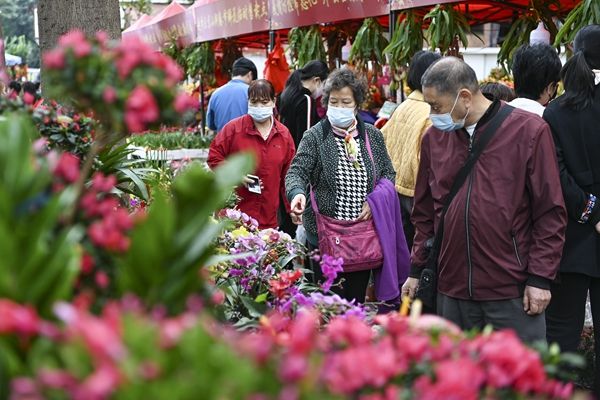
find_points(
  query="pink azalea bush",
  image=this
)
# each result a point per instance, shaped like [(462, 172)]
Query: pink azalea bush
[(125, 351), (129, 87)]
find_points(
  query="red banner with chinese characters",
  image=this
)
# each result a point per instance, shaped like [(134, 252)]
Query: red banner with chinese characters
[(405, 4), (179, 27), (291, 13), (227, 18)]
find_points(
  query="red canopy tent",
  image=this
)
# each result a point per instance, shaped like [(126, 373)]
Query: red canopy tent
[(144, 20), (172, 23), (482, 11)]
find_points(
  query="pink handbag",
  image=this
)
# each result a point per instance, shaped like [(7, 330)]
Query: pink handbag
[(356, 242)]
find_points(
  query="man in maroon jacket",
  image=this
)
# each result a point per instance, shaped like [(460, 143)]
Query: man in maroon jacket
[(504, 230)]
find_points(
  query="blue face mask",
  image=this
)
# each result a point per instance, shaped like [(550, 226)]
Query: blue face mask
[(260, 114), (445, 122), (341, 117)]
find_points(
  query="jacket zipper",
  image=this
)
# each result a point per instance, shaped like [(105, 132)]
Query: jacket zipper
[(514, 239), (467, 207)]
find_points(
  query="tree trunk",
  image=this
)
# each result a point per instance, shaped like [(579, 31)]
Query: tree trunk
[(57, 17)]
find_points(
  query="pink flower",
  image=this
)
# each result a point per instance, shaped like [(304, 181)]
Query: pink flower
[(77, 41), (131, 52), (140, 109), (172, 329), (103, 183), (28, 98), (18, 319), (102, 38), (218, 297), (109, 95), (24, 389), (67, 168), (184, 103), (149, 370), (100, 385), (101, 336), (102, 279), (294, 367), (57, 379), (54, 59)]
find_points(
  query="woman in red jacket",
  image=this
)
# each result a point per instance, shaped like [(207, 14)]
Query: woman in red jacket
[(273, 148)]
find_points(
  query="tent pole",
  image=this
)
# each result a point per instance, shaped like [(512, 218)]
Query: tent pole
[(203, 114), (271, 40), (391, 29)]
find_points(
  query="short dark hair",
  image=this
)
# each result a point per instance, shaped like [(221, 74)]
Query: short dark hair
[(498, 90), (15, 86), (535, 67), (418, 65), (448, 75), (260, 90), (344, 77), (242, 66), (31, 88)]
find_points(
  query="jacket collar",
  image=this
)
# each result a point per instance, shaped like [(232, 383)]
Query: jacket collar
[(416, 95), (249, 128)]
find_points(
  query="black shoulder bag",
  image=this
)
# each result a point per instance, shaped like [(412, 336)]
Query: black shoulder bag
[(427, 289)]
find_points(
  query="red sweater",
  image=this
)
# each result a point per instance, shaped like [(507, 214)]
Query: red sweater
[(273, 158)]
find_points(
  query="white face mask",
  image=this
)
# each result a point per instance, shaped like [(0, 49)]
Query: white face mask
[(341, 117), (445, 122), (259, 113)]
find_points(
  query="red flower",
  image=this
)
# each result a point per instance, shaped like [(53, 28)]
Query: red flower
[(103, 183), (54, 59), (140, 109), (67, 168), (285, 279), (102, 279), (77, 41), (18, 319), (87, 263)]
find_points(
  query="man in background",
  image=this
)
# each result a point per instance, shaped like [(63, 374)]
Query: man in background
[(231, 100), (536, 71)]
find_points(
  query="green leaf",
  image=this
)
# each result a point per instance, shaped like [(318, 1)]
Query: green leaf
[(261, 298), (255, 310)]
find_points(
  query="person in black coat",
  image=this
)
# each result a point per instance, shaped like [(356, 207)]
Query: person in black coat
[(298, 111), (302, 89), (575, 120)]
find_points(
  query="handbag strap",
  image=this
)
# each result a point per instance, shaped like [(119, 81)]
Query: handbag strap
[(308, 111), (313, 199), (465, 171)]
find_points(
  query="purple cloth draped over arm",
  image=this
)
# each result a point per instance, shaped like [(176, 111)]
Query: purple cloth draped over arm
[(385, 208)]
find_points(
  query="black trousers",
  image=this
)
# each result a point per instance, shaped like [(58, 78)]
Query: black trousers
[(566, 314), (406, 206), (500, 314), (353, 286), (284, 220)]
